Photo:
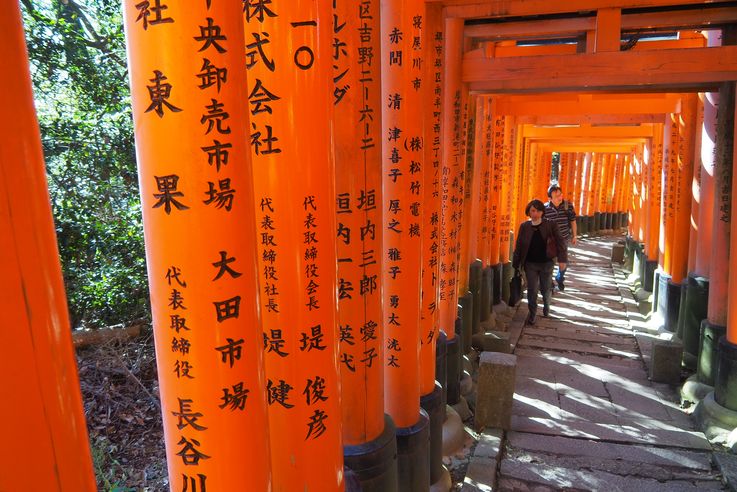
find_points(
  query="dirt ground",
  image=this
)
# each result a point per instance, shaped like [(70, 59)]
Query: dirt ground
[(121, 403), (120, 392)]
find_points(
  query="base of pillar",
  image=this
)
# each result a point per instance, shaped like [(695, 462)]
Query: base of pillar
[(454, 432), (673, 304), (486, 292), (681, 318), (466, 303), (444, 483), (583, 226), (441, 362), (709, 335), (498, 280), (725, 384), (375, 463), (454, 369), (650, 267), (507, 272), (693, 311), (595, 227), (616, 221), (714, 420), (693, 390), (432, 403), (413, 451), (474, 280)]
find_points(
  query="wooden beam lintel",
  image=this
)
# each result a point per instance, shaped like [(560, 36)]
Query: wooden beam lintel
[(575, 26), (469, 9), (589, 119), (619, 70)]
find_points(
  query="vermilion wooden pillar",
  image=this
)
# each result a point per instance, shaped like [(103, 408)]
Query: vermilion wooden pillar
[(45, 443), (648, 160), (595, 167), (368, 433), (703, 351), (582, 192), (403, 159), (574, 190), (483, 158), (695, 297), (637, 198), (670, 162), (197, 200), (609, 187), (358, 176), (433, 87), (596, 192), (534, 174), (495, 193), (706, 158), (433, 375), (664, 190), (721, 260), (453, 167), (291, 94), (725, 389), (683, 181), (652, 241), (725, 392), (617, 185), (518, 169), (695, 187), (506, 187), (563, 171)]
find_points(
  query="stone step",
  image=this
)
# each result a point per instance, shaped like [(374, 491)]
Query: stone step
[(538, 477)]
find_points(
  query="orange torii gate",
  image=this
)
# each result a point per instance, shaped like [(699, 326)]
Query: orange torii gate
[(434, 191)]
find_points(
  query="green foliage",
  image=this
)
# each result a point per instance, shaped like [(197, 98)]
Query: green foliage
[(77, 54)]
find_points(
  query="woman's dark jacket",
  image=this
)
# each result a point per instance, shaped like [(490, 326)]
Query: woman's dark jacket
[(524, 236)]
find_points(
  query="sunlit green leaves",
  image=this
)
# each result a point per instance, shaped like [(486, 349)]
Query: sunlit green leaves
[(77, 54)]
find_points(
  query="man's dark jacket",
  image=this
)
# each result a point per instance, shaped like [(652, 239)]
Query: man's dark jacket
[(524, 236)]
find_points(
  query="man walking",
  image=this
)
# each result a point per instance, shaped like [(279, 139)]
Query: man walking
[(561, 212)]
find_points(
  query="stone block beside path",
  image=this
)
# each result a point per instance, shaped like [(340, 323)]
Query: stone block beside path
[(492, 341), (495, 393), (665, 362)]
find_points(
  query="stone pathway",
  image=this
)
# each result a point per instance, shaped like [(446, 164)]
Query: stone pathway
[(585, 415)]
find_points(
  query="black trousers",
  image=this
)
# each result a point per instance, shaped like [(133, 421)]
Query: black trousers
[(539, 277)]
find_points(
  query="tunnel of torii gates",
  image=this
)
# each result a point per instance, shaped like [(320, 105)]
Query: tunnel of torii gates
[(327, 223)]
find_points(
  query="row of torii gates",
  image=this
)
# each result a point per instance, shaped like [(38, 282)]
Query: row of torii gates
[(315, 216)]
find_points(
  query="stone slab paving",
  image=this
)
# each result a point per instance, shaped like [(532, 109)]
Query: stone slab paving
[(585, 415)]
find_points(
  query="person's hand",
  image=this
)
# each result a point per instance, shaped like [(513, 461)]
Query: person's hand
[(574, 240), (562, 266)]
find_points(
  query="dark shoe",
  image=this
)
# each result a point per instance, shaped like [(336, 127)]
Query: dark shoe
[(561, 287), (546, 310), (531, 318)]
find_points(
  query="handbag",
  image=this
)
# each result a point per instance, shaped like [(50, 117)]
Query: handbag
[(515, 289), (551, 249)]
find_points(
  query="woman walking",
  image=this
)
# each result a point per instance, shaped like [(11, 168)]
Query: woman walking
[(538, 242)]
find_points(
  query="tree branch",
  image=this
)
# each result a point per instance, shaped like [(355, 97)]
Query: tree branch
[(98, 42)]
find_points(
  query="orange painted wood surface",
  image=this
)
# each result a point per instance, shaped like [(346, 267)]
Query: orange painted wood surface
[(197, 200), (291, 86), (45, 443), (358, 187), (402, 163)]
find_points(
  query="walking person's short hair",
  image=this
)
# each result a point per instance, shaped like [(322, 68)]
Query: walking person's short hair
[(536, 204), (552, 188)]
